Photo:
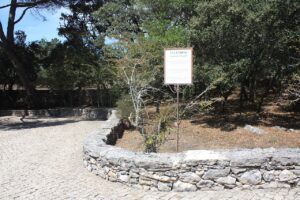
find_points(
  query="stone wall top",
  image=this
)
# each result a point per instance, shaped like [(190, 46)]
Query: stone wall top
[(84, 113), (96, 143)]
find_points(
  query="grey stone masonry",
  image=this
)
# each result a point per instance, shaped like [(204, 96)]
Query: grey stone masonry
[(190, 170), (83, 113)]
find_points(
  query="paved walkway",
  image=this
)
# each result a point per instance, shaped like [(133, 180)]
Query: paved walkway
[(43, 160)]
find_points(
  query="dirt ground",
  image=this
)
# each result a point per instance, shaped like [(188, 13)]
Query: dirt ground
[(226, 131), (200, 136)]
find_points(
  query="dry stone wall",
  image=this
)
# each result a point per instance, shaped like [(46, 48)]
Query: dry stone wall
[(191, 170), (84, 113)]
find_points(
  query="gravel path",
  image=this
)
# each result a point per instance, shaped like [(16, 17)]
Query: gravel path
[(42, 159)]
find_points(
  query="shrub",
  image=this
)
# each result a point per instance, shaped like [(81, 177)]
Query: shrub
[(125, 107)]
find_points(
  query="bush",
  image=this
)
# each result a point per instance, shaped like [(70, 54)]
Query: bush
[(158, 128), (125, 107)]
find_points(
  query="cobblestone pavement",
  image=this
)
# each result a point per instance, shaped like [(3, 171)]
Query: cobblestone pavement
[(43, 160)]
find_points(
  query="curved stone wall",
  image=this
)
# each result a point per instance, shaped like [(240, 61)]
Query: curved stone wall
[(191, 170), (84, 113)]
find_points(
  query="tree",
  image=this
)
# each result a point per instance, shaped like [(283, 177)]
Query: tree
[(83, 33), (8, 42), (137, 72), (249, 44)]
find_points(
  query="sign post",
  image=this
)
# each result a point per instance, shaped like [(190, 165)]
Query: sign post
[(178, 67)]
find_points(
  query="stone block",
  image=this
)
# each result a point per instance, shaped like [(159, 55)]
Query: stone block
[(269, 176), (189, 177), (287, 175), (251, 177), (183, 187), (216, 173), (205, 184), (166, 187), (226, 180)]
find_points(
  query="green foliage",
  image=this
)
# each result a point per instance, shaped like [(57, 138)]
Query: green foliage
[(206, 105), (122, 19), (293, 93), (252, 46), (160, 127), (246, 43), (125, 107), (66, 68)]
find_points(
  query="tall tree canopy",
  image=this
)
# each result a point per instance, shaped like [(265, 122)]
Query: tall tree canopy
[(246, 45), (8, 41)]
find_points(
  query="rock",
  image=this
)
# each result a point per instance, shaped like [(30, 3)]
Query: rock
[(223, 163), (85, 163), (147, 182), (189, 177), (205, 184), (154, 189), (254, 129), (184, 187), (246, 187), (133, 175), (101, 173), (170, 174), (199, 172), (124, 178), (89, 168), (226, 180), (94, 167), (112, 174), (230, 186), (228, 127), (216, 173), (251, 177), (158, 177), (93, 161), (218, 187), (248, 162), (296, 172), (166, 187), (280, 128), (286, 159), (134, 181), (166, 179), (237, 170), (287, 175), (269, 176)]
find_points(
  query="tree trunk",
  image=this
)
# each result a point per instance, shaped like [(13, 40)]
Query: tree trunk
[(8, 44), (21, 72), (242, 91)]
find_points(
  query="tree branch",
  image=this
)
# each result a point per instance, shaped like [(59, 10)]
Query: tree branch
[(1, 7), (193, 102), (11, 20), (2, 35), (23, 14), (32, 4)]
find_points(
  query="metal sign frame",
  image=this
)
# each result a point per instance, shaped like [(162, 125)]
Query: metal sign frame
[(191, 66), (177, 85)]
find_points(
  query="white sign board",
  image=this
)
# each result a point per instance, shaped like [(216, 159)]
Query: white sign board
[(178, 66)]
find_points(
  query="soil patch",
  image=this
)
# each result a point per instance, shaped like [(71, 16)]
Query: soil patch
[(201, 136), (225, 129)]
